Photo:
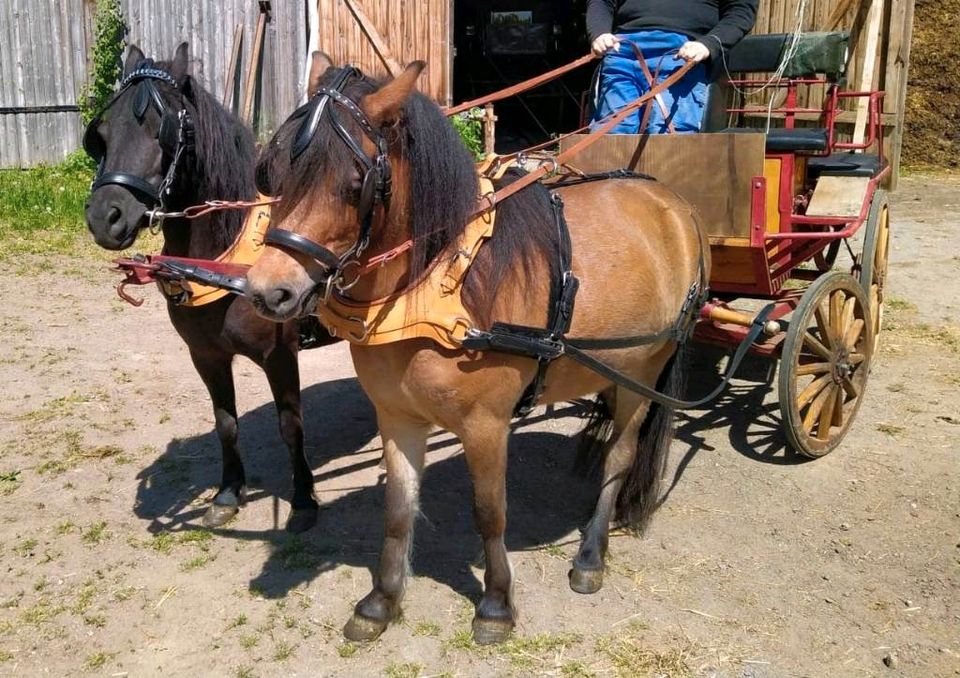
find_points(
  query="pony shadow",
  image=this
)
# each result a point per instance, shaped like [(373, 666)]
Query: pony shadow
[(338, 420), (546, 503), (754, 425)]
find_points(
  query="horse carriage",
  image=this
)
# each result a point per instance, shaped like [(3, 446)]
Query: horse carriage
[(470, 294), (777, 203)]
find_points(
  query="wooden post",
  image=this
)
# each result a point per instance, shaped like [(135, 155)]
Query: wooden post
[(254, 70), (872, 31), (489, 129), (898, 64), (231, 90)]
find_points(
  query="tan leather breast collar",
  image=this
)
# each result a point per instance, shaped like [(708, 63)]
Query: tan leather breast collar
[(432, 309), (245, 250)]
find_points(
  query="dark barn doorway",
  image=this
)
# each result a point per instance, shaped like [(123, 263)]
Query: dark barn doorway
[(501, 42)]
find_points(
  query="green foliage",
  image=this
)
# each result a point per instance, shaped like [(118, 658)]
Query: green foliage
[(44, 198), (109, 30), (469, 126)]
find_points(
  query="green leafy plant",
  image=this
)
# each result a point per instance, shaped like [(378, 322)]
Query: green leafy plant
[(469, 125), (105, 65)]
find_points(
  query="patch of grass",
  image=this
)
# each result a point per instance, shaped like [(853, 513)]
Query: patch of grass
[(66, 527), (576, 669), (41, 613), (239, 620), (406, 670), (57, 408), (249, 641), (26, 548), (97, 620), (295, 554), (5, 656), (124, 593), (890, 429), (44, 198), (282, 651), (196, 563), (84, 599), (9, 482), (52, 466), (526, 653), (347, 649), (427, 629), (98, 660), (899, 305), (942, 336), (631, 658), (244, 672), (95, 534)]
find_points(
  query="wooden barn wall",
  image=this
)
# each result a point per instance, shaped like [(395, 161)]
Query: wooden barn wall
[(43, 61), (42, 64), (158, 26), (413, 29)]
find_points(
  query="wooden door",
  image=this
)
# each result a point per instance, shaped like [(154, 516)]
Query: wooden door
[(381, 36)]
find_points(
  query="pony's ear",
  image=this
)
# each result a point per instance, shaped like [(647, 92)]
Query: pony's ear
[(383, 106), (319, 63), (134, 57), (180, 63)]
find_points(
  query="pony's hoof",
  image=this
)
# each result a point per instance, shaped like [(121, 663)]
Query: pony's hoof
[(361, 629), (301, 520), (586, 581), (491, 631), (218, 515)]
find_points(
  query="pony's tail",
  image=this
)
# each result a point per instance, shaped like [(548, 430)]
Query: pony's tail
[(594, 438), (639, 497)]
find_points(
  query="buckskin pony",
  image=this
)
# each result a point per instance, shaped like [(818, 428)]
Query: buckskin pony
[(164, 141), (381, 160)]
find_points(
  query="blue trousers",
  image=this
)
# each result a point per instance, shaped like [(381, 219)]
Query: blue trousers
[(622, 80)]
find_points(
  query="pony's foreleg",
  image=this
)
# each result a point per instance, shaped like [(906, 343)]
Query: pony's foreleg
[(485, 447), (283, 374), (629, 411), (404, 447), (216, 370)]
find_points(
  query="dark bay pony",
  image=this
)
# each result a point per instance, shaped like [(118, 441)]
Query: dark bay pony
[(636, 248), (134, 142)]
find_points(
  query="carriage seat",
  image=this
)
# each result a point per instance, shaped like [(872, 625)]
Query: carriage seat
[(848, 164), (783, 140)]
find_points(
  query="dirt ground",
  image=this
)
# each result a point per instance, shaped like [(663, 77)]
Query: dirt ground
[(759, 564)]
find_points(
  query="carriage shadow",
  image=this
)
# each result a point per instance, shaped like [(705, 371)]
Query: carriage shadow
[(338, 421)]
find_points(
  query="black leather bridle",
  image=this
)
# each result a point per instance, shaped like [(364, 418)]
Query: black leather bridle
[(375, 186), (175, 135)]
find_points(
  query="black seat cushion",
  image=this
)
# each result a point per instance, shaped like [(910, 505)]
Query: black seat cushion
[(814, 53), (845, 165), (782, 140)]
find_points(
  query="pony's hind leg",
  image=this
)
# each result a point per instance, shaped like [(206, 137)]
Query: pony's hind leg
[(283, 374), (629, 412), (216, 371), (404, 447), (485, 447)]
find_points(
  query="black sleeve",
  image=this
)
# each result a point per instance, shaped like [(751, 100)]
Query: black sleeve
[(736, 19), (599, 17)]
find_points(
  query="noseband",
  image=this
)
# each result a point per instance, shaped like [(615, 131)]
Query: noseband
[(375, 186), (175, 136)]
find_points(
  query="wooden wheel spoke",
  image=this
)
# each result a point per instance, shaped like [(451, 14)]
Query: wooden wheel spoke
[(856, 358), (826, 414), (812, 390), (816, 408), (837, 300), (823, 326), (850, 388), (838, 403), (814, 345), (813, 368), (853, 334), (849, 306)]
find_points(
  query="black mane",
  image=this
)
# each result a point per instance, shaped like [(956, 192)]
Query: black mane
[(443, 190), (225, 152)]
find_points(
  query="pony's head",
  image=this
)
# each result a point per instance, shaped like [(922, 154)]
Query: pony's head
[(162, 142), (134, 141), (362, 166)]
